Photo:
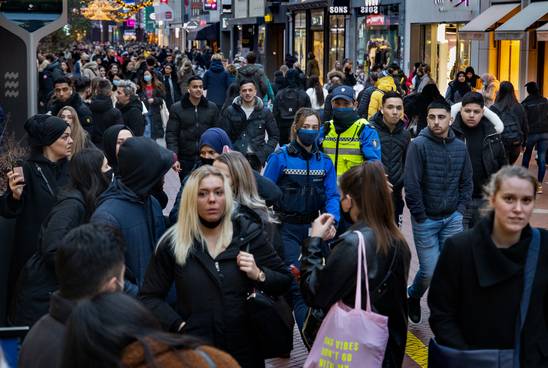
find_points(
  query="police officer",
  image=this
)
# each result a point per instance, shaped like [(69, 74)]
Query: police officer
[(308, 182), (348, 139)]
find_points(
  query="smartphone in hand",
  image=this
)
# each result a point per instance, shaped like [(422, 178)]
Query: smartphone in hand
[(19, 170)]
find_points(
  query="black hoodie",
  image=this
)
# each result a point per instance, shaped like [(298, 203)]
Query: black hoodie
[(75, 101), (104, 115), (132, 114)]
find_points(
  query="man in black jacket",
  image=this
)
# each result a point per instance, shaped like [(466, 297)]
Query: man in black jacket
[(536, 108), (286, 104), (247, 123), (103, 111), (189, 118), (485, 148), (66, 96), (99, 252), (131, 107), (394, 142), (438, 186)]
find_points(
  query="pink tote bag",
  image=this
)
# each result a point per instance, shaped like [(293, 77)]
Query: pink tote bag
[(351, 337)]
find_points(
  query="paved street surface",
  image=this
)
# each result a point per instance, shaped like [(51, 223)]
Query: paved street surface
[(418, 336)]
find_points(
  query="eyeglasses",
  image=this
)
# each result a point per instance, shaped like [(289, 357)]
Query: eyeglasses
[(64, 89)]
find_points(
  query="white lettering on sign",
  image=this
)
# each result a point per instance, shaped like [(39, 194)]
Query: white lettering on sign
[(11, 84), (338, 10)]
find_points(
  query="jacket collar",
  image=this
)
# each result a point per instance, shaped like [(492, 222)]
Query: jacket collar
[(378, 120), (491, 265), (493, 118), (485, 124), (60, 308), (185, 101), (258, 103)]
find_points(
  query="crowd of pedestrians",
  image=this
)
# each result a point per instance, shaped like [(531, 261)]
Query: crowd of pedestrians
[(277, 176)]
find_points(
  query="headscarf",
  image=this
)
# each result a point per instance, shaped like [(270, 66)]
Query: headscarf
[(110, 137), (43, 130), (142, 163), (215, 138), (461, 87)]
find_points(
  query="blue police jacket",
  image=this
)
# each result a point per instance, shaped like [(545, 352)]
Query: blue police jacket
[(307, 179)]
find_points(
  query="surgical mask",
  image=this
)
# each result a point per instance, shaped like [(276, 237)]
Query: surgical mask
[(116, 82), (147, 78), (308, 136)]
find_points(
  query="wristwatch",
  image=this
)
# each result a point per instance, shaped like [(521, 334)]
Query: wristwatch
[(261, 277)]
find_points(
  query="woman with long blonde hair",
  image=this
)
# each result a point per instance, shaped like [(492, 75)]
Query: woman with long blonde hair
[(214, 256), (80, 138)]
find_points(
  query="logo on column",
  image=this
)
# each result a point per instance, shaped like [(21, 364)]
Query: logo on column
[(11, 84)]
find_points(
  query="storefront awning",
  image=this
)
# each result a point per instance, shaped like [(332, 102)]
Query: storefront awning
[(487, 21), (243, 21), (516, 27), (209, 32), (308, 4), (542, 33)]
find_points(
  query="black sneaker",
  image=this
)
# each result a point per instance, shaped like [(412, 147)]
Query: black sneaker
[(414, 310)]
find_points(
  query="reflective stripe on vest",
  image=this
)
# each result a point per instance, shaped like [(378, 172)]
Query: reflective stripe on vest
[(344, 149)]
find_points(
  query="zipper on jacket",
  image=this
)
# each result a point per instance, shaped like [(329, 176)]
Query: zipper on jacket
[(337, 153)]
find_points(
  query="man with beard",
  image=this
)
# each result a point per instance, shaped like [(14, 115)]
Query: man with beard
[(128, 205), (66, 96), (98, 251), (348, 139)]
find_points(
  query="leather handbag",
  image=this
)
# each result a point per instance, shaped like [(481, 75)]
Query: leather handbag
[(271, 320), (443, 356)]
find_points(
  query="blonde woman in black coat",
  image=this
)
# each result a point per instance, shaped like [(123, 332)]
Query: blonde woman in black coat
[(213, 255), (476, 289)]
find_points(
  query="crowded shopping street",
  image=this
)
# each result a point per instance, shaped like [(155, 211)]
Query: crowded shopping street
[(273, 184)]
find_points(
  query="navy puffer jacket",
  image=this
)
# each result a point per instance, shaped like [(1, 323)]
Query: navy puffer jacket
[(438, 176)]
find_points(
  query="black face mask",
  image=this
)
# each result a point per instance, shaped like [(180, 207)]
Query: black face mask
[(210, 224), (206, 161)]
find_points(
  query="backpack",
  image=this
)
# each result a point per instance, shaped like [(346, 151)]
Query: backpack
[(289, 102), (512, 133)]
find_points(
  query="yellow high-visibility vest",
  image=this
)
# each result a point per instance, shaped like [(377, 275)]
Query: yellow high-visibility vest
[(344, 149)]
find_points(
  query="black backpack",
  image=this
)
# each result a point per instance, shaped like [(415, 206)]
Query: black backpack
[(512, 133), (289, 102)]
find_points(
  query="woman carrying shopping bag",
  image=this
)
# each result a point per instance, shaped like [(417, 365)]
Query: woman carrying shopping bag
[(488, 304), (365, 201)]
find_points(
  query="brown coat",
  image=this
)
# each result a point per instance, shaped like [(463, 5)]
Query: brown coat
[(167, 357)]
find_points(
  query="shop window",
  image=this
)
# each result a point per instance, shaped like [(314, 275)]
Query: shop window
[(317, 29), (509, 63), (378, 37), (336, 39), (299, 44)]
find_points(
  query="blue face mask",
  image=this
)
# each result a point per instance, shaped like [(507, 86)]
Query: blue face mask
[(147, 78), (308, 136), (116, 82)]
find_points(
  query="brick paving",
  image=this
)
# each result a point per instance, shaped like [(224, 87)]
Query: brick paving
[(421, 331)]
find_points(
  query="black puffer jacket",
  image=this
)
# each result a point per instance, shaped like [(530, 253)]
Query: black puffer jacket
[(37, 280), (248, 135), (132, 113), (438, 176), (393, 149), (214, 307), (75, 101), (186, 125), (324, 285), (536, 108), (493, 154), (37, 200), (104, 116)]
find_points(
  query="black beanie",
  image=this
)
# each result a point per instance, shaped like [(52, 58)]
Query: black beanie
[(43, 129)]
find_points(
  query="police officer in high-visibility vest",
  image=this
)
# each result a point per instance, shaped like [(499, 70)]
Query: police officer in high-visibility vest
[(348, 139)]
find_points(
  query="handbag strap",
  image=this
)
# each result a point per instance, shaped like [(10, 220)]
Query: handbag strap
[(362, 256), (528, 278)]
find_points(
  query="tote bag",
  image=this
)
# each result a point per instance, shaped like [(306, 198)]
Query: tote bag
[(351, 337), (164, 113)]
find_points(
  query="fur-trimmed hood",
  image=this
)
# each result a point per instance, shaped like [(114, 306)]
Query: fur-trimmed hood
[(489, 115)]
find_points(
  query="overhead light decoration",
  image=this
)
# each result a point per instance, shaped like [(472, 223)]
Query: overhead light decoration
[(113, 10)]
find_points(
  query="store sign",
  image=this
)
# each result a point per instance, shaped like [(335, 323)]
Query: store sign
[(370, 7), (210, 5), (339, 7), (444, 5), (375, 20)]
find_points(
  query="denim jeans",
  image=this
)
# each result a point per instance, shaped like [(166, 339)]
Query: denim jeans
[(293, 236), (540, 140), (429, 237)]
